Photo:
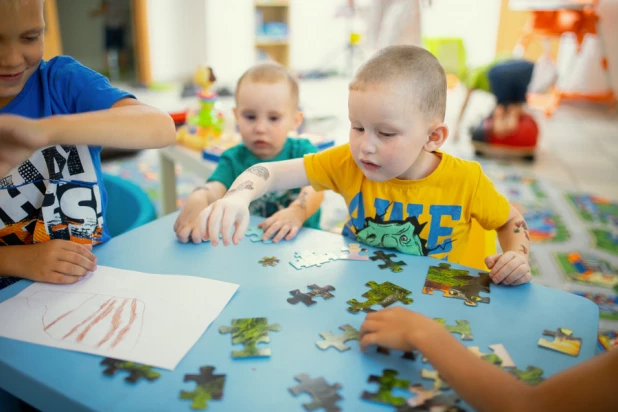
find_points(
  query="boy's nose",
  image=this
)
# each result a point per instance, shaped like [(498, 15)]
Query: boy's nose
[(260, 127), (367, 146)]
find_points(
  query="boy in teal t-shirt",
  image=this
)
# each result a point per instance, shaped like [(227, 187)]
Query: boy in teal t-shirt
[(266, 111)]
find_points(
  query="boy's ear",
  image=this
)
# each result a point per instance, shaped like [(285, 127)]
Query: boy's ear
[(235, 111), (298, 119), (437, 136)]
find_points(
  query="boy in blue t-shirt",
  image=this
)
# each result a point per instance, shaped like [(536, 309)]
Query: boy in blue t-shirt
[(54, 117), (266, 110)]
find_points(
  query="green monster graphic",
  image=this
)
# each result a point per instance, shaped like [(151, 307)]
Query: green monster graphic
[(401, 235)]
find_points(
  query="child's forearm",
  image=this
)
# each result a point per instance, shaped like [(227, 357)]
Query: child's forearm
[(589, 386), (269, 177), (308, 201), (478, 382), (514, 235), (129, 124)]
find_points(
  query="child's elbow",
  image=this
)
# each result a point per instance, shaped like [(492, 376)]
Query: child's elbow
[(165, 130)]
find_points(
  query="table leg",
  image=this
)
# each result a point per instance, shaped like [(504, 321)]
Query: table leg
[(168, 184)]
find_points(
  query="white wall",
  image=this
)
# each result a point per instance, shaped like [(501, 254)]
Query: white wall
[(230, 38), (177, 31), (476, 22), (82, 37)]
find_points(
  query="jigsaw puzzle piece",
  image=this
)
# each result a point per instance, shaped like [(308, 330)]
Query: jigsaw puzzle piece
[(324, 395), (438, 383), (457, 283), (308, 259), (384, 294), (388, 263), (338, 341), (411, 356), (462, 327), (354, 252), (499, 357), (307, 298), (269, 261), (250, 332), (255, 234), (430, 400), (564, 341), (387, 382), (136, 371), (209, 387), (532, 375)]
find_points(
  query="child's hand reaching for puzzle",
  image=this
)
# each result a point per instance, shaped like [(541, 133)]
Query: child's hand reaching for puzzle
[(285, 224), (509, 268), (228, 216), (397, 328), (187, 227)]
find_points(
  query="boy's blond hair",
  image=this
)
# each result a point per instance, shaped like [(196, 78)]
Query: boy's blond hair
[(270, 73), (418, 68)]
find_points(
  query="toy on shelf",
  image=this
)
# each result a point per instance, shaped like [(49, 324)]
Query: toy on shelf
[(204, 127)]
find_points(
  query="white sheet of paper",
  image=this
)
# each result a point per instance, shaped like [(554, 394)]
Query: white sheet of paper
[(133, 316)]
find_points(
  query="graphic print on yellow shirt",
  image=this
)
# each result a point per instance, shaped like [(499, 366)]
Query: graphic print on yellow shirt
[(426, 217)]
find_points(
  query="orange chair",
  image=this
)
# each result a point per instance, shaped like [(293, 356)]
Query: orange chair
[(581, 20)]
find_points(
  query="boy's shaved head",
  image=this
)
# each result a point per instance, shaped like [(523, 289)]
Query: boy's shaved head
[(418, 70), (270, 73)]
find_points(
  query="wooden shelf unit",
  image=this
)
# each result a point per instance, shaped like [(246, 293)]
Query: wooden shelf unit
[(274, 11)]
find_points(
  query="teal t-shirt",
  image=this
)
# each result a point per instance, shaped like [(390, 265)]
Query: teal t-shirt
[(237, 159)]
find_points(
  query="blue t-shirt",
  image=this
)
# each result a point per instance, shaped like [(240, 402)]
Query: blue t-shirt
[(237, 159), (58, 193)]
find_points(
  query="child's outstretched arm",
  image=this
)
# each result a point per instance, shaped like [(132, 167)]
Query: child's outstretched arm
[(511, 266), (589, 386), (230, 215), (128, 124), (287, 222)]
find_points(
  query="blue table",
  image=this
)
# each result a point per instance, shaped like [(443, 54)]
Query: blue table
[(57, 380)]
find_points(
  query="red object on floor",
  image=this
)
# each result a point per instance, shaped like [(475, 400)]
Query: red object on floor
[(526, 135), (179, 117)]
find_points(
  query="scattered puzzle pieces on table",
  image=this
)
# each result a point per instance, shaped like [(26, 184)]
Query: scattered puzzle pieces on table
[(384, 294), (307, 298), (411, 356), (462, 327), (532, 375), (499, 357), (269, 261), (430, 400), (136, 371), (457, 283), (324, 395), (255, 234), (388, 263), (354, 252), (564, 341), (387, 382), (308, 259), (250, 332), (338, 341), (438, 383), (209, 387)]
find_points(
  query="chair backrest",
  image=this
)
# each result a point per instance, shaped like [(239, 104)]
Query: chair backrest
[(128, 206)]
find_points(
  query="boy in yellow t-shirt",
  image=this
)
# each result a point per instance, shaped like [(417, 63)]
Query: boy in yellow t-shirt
[(401, 191)]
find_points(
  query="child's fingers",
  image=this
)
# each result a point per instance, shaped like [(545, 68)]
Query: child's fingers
[(75, 259), (367, 340), (292, 233), (202, 221), (490, 261), (61, 278), (502, 268), (213, 225), (183, 234), (83, 250), (70, 269), (241, 227), (274, 228), (266, 223), (196, 237), (517, 274), (527, 277), (227, 227), (285, 229)]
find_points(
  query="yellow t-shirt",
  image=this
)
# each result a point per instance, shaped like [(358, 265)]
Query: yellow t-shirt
[(429, 217)]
